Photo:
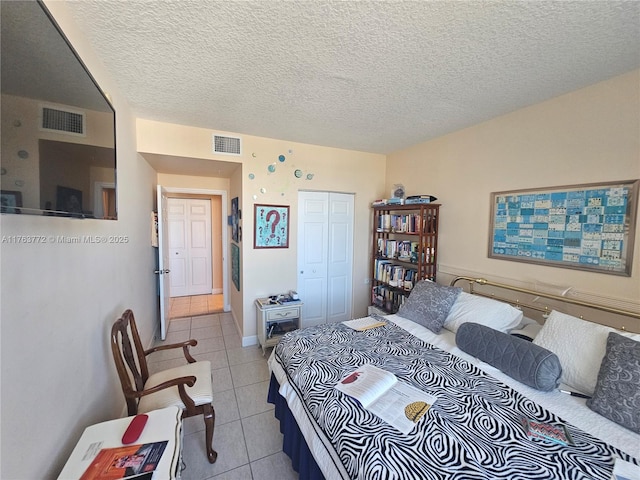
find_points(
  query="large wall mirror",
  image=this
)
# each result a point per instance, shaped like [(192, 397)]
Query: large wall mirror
[(58, 128)]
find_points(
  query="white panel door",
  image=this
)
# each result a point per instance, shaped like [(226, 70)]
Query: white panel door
[(190, 246), (325, 256), (178, 252), (200, 273), (340, 257), (313, 218)]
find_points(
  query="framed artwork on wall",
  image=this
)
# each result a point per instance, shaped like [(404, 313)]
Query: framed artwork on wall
[(587, 227), (235, 224), (271, 226), (235, 265), (11, 201)]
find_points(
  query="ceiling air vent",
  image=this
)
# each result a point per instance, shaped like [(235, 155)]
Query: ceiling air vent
[(227, 145), (63, 121)]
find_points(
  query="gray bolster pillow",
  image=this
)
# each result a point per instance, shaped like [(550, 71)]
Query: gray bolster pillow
[(524, 361)]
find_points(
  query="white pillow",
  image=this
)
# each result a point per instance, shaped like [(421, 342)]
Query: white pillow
[(491, 313), (528, 331), (580, 345)]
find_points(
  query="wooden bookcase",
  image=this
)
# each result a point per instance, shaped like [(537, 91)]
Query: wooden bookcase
[(405, 251)]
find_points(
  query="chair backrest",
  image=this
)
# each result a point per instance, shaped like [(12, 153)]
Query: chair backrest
[(129, 358)]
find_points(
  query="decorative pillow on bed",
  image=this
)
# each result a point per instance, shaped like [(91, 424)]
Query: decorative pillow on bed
[(485, 311), (527, 330), (580, 346), (429, 303), (520, 359), (617, 393)]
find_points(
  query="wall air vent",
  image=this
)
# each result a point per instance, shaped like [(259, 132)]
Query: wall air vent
[(227, 145), (54, 119)]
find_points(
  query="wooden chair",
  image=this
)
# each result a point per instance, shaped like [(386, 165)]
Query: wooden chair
[(188, 387)]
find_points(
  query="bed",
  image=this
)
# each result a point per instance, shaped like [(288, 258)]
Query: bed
[(474, 429)]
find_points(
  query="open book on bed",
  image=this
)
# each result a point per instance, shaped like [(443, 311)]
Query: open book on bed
[(397, 403)]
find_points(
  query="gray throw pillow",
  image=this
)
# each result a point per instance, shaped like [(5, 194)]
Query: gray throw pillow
[(522, 360), (429, 304), (617, 392)]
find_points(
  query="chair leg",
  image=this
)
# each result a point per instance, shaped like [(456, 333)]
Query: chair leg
[(209, 422)]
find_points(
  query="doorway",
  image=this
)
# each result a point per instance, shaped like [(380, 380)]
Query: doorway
[(189, 228), (217, 299)]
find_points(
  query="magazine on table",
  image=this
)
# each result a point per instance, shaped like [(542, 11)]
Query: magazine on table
[(126, 462), (546, 431), (397, 403)]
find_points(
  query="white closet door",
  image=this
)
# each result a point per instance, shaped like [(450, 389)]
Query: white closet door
[(340, 257), (313, 222), (325, 256)]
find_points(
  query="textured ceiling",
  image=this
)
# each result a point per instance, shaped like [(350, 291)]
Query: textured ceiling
[(371, 76)]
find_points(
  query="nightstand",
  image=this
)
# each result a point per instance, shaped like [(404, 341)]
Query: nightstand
[(274, 320)]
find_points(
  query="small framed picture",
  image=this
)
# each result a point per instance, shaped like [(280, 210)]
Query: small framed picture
[(271, 226), (11, 201), (235, 224)]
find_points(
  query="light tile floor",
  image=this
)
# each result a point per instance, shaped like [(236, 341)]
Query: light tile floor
[(247, 435), (195, 305)]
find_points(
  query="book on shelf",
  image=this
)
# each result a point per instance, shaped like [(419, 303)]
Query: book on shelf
[(547, 431), (399, 404), (126, 462)]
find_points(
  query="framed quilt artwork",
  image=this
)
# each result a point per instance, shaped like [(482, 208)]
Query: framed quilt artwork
[(235, 265), (587, 227), (271, 226)]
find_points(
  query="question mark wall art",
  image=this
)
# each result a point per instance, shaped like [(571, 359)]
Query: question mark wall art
[(271, 226)]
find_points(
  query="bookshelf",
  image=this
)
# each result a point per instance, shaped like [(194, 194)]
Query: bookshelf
[(405, 250)]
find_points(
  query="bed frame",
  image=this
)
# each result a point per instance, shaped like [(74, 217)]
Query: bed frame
[(475, 286)]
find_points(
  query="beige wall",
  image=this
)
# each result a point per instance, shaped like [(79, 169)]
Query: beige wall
[(58, 302), (587, 136), (268, 271)]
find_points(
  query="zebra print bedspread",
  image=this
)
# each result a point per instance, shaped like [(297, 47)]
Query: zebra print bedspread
[(473, 431)]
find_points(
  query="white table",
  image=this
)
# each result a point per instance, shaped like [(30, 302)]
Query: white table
[(163, 424), (270, 316)]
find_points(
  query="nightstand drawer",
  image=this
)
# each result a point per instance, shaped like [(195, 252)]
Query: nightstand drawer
[(283, 313)]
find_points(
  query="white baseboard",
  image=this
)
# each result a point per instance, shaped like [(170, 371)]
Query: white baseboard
[(249, 341)]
